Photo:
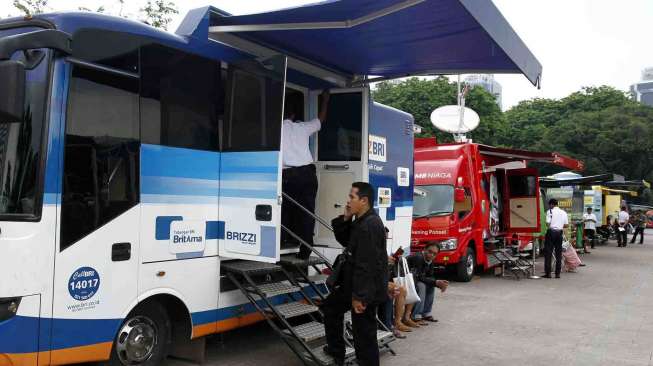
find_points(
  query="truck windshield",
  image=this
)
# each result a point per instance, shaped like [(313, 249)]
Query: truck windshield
[(20, 143), (432, 200)]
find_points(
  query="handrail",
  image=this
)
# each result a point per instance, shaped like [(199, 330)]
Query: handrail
[(304, 243), (316, 217)]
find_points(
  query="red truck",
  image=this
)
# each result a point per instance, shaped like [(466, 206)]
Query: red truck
[(468, 197)]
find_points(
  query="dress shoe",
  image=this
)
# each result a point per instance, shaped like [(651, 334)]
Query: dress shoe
[(557, 276), (546, 276)]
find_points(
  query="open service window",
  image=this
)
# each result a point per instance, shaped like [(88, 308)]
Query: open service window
[(250, 160), (341, 154), (523, 214)]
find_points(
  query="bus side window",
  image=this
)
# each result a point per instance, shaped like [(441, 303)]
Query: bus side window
[(181, 99), (100, 179)]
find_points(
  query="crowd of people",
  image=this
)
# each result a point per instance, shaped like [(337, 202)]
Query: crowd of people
[(565, 253)]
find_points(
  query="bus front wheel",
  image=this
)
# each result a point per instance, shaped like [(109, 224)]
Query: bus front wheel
[(143, 338)]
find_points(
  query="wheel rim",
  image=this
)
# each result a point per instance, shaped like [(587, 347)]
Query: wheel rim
[(136, 340), (470, 265)]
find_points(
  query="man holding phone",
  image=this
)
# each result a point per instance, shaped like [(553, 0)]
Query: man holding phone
[(364, 284)]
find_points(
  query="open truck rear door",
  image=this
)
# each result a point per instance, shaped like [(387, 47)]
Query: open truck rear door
[(522, 198)]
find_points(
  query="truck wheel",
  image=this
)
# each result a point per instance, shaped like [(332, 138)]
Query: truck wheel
[(143, 339), (465, 268)]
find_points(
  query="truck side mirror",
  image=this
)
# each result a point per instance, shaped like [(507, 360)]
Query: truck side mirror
[(459, 194), (12, 93)]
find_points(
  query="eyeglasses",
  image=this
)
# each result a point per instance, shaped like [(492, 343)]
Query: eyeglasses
[(434, 252)]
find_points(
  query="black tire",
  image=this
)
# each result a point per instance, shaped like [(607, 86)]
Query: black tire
[(466, 266), (149, 321)]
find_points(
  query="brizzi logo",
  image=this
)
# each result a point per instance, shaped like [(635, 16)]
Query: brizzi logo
[(245, 238)]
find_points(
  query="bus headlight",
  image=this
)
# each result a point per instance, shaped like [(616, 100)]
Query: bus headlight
[(8, 307), (449, 244)]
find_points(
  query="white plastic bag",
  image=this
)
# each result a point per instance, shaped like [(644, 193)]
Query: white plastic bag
[(407, 281)]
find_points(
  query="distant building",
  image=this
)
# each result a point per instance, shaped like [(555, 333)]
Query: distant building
[(643, 90), (488, 83)]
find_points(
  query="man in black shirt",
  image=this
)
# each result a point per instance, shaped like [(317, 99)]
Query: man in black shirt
[(423, 269), (364, 281)]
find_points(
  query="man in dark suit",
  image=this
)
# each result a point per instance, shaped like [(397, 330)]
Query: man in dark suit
[(364, 281)]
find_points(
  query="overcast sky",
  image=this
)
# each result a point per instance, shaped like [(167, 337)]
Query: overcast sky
[(579, 42)]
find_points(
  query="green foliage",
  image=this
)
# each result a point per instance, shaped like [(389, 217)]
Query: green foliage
[(31, 7), (601, 126), (100, 9), (158, 13), (420, 97)]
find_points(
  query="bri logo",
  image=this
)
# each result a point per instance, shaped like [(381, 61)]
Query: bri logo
[(245, 238)]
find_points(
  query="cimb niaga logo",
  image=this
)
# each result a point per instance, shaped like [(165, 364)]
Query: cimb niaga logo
[(243, 237)]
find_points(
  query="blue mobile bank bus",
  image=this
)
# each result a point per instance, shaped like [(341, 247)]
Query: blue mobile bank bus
[(133, 162)]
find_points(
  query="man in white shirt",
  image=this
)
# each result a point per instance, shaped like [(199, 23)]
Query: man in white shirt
[(590, 226), (299, 175), (622, 220), (557, 220)]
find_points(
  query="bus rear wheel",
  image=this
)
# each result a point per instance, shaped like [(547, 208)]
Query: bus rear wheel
[(143, 339)]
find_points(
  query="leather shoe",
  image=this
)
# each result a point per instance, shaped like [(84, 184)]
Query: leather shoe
[(546, 276), (337, 361), (557, 276)]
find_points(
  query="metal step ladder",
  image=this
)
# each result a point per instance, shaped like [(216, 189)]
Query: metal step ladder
[(288, 298), (287, 308), (517, 265)]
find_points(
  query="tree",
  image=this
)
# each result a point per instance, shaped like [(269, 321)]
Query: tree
[(100, 9), (420, 97), (617, 139), (31, 7), (158, 13)]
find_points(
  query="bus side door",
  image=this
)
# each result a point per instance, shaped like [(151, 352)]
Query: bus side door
[(96, 262), (342, 146), (250, 166)]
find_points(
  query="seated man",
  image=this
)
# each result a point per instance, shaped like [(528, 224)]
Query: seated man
[(423, 270)]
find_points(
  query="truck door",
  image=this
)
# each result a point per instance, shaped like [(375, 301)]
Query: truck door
[(250, 163), (342, 147), (522, 195)]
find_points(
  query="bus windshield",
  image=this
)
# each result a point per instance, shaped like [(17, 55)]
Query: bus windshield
[(21, 143), (432, 200)]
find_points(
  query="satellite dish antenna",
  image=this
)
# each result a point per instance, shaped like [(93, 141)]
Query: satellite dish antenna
[(455, 119)]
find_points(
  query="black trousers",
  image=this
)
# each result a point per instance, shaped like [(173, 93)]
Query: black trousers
[(300, 183), (591, 235), (364, 327), (552, 242), (640, 231), (622, 236)]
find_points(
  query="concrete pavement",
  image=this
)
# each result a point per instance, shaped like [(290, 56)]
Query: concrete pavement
[(601, 315)]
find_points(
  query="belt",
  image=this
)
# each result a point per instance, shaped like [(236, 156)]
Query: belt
[(552, 229), (299, 167)]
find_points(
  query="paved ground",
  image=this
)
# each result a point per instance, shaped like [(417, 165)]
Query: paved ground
[(602, 315)]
